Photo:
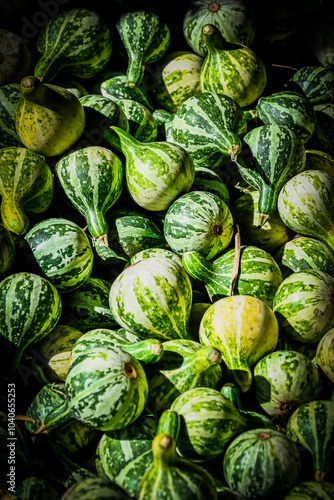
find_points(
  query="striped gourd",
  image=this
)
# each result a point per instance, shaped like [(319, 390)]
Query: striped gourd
[(15, 58), (54, 352), (9, 96), (233, 70), (244, 329), (156, 172), (269, 236), (124, 456), (236, 20), (312, 426), (306, 205), (209, 126), (7, 250), (304, 304), (325, 354), (289, 109), (60, 250), (177, 79), (316, 82), (171, 476), (87, 307), (155, 252), (198, 221), (101, 112), (302, 253), (311, 490), (92, 178), (319, 160), (184, 365), (95, 487), (115, 86), (146, 39), (277, 154), (48, 118), (131, 231), (76, 41), (208, 180), (258, 275), (26, 187), (30, 307), (152, 298), (262, 463), (209, 423), (74, 436), (147, 351), (285, 380), (324, 127), (105, 389), (142, 124)]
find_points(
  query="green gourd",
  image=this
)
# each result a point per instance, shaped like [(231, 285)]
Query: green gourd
[(142, 124), (156, 172), (146, 39), (48, 119), (325, 354), (311, 490), (234, 70), (95, 487), (26, 187), (9, 96)]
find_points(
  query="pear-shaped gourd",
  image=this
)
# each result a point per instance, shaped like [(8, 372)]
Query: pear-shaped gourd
[(244, 329), (312, 426), (105, 389), (209, 126), (233, 70), (184, 365), (9, 96), (48, 118), (30, 307), (156, 172), (277, 155), (306, 205), (26, 187), (146, 38), (92, 178), (153, 298), (170, 476), (258, 275), (76, 41), (198, 221)]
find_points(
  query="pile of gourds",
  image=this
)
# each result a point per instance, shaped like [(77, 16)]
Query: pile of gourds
[(166, 258)]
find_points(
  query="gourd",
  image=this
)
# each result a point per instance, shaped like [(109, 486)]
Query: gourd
[(277, 155), (184, 365), (76, 41), (30, 308), (198, 221), (100, 113), (95, 487), (288, 109), (142, 124), (285, 380), (316, 82), (171, 476), (325, 354), (311, 490), (303, 304), (152, 298), (156, 172), (306, 205), (209, 126), (26, 187), (113, 398), (115, 87), (92, 178), (48, 119), (177, 79), (15, 58), (208, 180), (60, 251), (319, 160), (234, 18), (258, 274), (9, 96), (262, 463), (155, 252), (146, 39), (244, 329), (312, 426), (234, 70)]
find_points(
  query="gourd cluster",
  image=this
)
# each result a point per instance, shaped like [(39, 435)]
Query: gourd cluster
[(166, 257)]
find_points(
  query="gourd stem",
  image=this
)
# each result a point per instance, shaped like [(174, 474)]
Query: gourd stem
[(164, 450), (169, 423)]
